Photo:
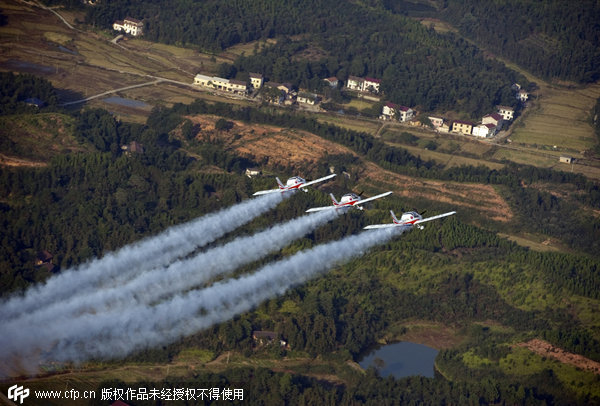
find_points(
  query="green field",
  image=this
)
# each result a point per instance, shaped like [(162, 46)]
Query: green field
[(561, 118)]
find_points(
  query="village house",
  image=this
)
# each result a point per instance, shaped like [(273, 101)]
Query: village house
[(436, 122), (307, 98), (252, 172), (565, 159), (133, 147), (388, 112), (354, 83), (484, 130), (256, 80), (266, 337), (506, 112), (332, 81), (363, 85), (462, 127), (43, 257), (494, 118), (371, 85), (130, 26), (228, 85), (444, 128), (522, 95), (394, 111)]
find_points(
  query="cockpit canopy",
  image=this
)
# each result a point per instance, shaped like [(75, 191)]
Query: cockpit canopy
[(349, 197), (295, 180)]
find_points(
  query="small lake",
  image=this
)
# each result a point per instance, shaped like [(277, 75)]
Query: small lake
[(401, 360), (125, 102)]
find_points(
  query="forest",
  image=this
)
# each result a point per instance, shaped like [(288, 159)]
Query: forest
[(549, 38)]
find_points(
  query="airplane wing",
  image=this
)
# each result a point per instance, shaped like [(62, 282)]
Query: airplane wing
[(321, 208), (312, 182), (361, 202), (264, 192), (435, 217)]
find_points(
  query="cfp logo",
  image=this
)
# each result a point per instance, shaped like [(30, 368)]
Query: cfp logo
[(15, 392)]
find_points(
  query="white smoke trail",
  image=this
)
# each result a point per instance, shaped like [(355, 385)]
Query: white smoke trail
[(150, 286), (118, 333), (132, 259)]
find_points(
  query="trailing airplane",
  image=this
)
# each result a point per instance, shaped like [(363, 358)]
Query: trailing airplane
[(293, 183), (348, 200), (409, 219)]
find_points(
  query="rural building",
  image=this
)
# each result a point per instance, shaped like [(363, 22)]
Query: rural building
[(265, 337), (43, 257), (388, 112), (484, 130), (494, 118), (251, 172), (130, 26), (462, 127), (522, 95), (394, 111), (566, 159), (363, 85), (35, 102), (228, 85), (506, 112), (444, 128), (371, 85), (354, 83), (436, 121), (133, 147), (285, 87), (332, 81), (307, 98), (256, 80)]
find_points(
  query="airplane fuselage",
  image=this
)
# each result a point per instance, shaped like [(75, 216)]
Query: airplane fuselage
[(410, 217), (293, 183)]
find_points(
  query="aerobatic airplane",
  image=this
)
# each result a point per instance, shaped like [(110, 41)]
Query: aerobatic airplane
[(293, 183), (348, 200), (409, 219)]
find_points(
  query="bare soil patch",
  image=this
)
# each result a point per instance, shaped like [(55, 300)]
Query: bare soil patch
[(546, 349), (482, 198)]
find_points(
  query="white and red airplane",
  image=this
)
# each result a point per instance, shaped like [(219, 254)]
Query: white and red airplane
[(293, 183), (348, 200), (409, 219)]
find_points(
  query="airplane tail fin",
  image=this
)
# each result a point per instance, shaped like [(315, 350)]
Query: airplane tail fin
[(394, 216), (335, 202), (279, 183)]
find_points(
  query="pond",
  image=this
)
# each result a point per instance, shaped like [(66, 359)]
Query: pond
[(125, 102), (401, 360)]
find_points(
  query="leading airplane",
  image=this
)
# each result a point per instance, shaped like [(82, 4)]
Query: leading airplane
[(293, 183), (408, 220), (348, 200)]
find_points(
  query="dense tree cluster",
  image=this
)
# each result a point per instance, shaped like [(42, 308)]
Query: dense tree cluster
[(16, 90), (548, 38)]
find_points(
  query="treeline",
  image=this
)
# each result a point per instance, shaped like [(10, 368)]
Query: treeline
[(550, 39), (264, 387), (16, 89)]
